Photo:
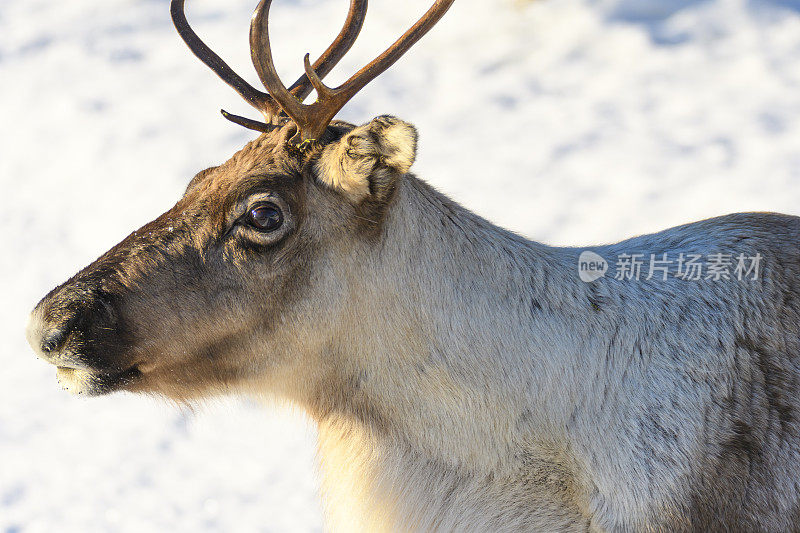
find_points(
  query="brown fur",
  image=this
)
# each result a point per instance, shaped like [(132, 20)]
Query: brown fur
[(194, 259), (462, 377)]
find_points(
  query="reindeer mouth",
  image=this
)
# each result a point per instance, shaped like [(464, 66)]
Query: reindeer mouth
[(82, 381)]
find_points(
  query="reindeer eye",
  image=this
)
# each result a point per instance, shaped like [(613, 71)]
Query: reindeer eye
[(265, 217)]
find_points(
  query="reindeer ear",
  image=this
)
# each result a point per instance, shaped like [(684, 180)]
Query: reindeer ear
[(364, 164)]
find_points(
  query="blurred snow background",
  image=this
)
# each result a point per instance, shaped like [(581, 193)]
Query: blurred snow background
[(570, 121)]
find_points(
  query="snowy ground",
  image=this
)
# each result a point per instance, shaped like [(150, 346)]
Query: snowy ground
[(570, 121)]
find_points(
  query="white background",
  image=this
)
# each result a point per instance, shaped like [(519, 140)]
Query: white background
[(569, 121)]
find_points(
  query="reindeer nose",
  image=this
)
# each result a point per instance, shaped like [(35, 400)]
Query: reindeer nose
[(59, 326), (44, 338), (53, 341), (48, 337)]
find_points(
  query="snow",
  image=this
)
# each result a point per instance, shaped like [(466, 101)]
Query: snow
[(569, 121)]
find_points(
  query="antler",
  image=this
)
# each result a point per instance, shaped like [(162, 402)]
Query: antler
[(313, 119), (258, 99)]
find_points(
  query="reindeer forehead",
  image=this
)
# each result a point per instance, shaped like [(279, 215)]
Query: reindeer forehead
[(261, 162), (260, 167)]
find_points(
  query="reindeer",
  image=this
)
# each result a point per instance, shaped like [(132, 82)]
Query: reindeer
[(462, 377)]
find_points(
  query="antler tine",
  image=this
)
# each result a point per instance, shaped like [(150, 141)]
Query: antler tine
[(261, 101), (258, 99), (331, 57), (248, 122), (313, 119)]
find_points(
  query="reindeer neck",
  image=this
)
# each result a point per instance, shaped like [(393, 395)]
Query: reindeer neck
[(449, 316), (450, 351)]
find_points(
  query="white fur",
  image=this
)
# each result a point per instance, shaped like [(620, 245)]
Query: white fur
[(498, 392)]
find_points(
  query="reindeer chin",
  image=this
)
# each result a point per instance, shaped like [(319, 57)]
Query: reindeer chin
[(93, 383)]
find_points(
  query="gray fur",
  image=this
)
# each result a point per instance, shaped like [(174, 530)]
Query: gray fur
[(463, 377)]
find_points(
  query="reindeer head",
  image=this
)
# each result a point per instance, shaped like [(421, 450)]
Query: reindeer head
[(237, 281)]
